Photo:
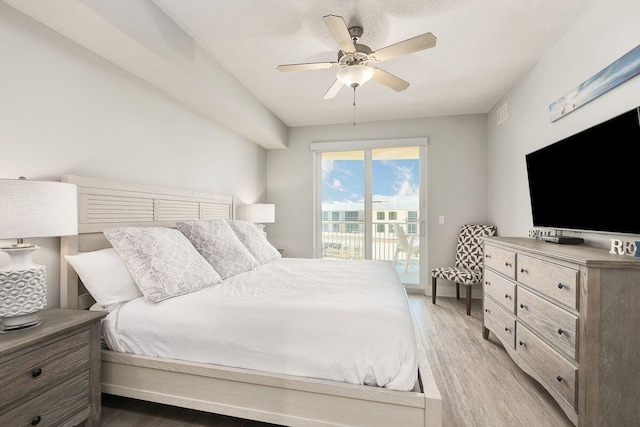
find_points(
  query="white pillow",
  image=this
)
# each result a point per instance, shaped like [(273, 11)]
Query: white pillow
[(163, 262), (255, 241), (105, 276), (97, 307), (219, 245)]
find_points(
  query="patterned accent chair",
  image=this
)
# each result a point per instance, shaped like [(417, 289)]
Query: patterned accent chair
[(469, 261)]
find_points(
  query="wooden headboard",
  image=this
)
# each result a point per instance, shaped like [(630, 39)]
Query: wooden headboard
[(103, 204)]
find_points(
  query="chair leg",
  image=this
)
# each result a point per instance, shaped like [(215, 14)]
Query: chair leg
[(433, 290), (457, 290), (468, 300)]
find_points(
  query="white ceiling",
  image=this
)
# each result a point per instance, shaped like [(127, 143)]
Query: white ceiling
[(483, 48)]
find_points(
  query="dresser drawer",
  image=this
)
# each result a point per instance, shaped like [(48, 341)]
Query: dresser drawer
[(556, 281), (500, 322), (65, 405), (25, 376), (556, 325), (501, 289), (555, 370), (499, 259)]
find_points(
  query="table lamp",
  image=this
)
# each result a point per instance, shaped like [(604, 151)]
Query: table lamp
[(258, 213), (30, 209)]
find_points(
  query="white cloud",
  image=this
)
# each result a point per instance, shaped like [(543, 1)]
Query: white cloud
[(337, 185), (327, 168), (403, 183)]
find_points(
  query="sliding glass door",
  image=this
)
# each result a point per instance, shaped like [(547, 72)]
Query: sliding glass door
[(370, 205), (343, 209)]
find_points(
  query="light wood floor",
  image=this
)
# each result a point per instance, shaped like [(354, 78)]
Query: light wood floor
[(479, 383)]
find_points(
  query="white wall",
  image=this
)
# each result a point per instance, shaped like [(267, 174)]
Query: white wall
[(64, 110), (605, 33), (456, 179)]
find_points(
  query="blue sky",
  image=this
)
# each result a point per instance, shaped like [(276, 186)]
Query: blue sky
[(343, 180)]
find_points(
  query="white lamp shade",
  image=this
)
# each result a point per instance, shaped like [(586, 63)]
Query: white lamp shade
[(37, 209), (355, 75), (259, 213)]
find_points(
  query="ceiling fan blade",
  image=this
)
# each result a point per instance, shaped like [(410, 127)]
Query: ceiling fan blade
[(307, 66), (340, 32), (425, 41), (389, 80), (333, 90)]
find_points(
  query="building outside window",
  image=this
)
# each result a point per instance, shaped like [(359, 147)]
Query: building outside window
[(412, 226), (352, 216), (335, 217), (343, 227)]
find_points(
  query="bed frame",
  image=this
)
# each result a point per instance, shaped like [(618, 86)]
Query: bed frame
[(255, 395)]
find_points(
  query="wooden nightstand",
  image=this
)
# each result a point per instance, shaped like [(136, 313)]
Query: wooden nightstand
[(50, 374)]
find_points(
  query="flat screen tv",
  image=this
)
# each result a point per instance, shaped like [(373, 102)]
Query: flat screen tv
[(589, 181)]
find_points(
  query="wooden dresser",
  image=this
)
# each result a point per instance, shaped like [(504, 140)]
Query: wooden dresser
[(569, 316), (50, 373)]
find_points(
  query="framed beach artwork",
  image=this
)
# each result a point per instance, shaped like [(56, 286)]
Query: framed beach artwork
[(615, 74)]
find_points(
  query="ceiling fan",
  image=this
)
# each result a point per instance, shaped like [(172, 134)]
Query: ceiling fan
[(355, 60)]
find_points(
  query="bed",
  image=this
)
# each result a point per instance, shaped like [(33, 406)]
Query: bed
[(287, 394)]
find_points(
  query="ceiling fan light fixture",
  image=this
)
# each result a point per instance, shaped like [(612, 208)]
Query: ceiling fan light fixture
[(355, 75)]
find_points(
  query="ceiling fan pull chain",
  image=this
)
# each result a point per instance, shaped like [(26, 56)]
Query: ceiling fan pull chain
[(354, 105)]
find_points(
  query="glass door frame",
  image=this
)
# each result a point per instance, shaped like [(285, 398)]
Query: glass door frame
[(367, 146)]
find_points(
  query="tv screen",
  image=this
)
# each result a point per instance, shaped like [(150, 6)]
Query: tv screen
[(590, 180)]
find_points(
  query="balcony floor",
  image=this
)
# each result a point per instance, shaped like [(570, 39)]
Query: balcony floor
[(411, 277)]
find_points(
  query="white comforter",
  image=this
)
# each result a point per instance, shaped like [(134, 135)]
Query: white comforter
[(338, 320)]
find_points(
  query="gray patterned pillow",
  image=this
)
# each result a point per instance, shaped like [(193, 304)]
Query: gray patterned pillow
[(255, 241), (163, 263), (219, 245)]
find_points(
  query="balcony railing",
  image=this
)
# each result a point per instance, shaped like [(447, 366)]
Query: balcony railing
[(345, 239)]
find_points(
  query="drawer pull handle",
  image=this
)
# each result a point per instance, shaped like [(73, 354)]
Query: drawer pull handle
[(522, 270), (36, 420), (559, 378), (507, 329), (487, 256), (36, 373), (560, 331), (523, 306), (521, 343), (487, 283), (507, 296), (486, 310), (507, 264), (560, 286)]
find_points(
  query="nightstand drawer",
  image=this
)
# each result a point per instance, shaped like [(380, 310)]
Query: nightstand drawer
[(501, 289), (556, 371), (556, 325), (555, 281), (501, 260), (500, 322), (65, 405), (24, 377)]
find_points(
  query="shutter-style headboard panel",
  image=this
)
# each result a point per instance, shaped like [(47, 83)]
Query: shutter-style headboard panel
[(103, 204)]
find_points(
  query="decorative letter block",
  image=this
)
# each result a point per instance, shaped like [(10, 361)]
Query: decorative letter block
[(616, 247)]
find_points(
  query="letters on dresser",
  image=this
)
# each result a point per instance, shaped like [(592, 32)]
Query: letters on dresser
[(566, 316)]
